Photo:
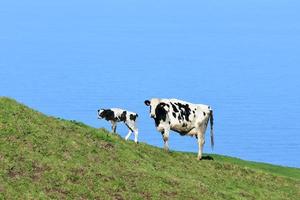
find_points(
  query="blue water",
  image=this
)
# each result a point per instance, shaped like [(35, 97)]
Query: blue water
[(67, 59)]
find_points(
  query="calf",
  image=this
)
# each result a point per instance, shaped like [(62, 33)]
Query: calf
[(115, 115), (182, 117)]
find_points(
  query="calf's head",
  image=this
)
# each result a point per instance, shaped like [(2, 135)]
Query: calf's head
[(101, 113)]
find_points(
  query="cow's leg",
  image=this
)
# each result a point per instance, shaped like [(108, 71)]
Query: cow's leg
[(201, 141), (136, 133), (128, 135), (165, 135), (114, 126)]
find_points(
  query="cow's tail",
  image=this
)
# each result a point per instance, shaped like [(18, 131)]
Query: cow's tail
[(211, 119)]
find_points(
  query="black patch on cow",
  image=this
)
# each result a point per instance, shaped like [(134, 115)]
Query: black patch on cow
[(133, 117), (174, 114), (204, 113), (184, 110), (123, 116), (161, 113), (179, 117), (174, 107), (107, 114), (193, 112), (182, 133)]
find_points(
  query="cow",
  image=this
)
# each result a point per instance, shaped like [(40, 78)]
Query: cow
[(115, 115), (182, 117)]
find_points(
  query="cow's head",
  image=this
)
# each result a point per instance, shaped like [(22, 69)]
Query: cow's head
[(156, 106)]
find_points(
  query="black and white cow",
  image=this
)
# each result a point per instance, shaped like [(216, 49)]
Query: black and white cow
[(183, 117), (115, 115)]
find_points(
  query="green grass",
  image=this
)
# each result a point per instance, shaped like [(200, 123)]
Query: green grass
[(44, 157)]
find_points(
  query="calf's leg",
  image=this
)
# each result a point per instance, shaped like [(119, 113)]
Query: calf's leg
[(128, 135), (132, 128), (114, 126)]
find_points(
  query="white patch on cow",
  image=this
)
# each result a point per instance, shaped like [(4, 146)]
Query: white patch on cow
[(99, 112), (154, 103)]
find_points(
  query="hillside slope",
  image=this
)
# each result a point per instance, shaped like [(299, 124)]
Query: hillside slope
[(44, 157)]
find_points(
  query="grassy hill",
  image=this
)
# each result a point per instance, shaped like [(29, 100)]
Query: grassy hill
[(44, 157)]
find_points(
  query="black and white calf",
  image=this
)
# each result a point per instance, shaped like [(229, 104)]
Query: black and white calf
[(115, 115), (183, 117)]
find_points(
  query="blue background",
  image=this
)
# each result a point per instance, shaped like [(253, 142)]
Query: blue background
[(69, 58)]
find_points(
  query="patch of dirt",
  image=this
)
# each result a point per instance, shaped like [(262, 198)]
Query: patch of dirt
[(2, 190), (107, 146), (172, 182), (57, 190), (104, 177), (11, 138), (146, 195), (169, 194), (38, 170), (67, 155), (78, 171), (246, 195), (108, 178), (13, 172), (117, 196), (76, 174)]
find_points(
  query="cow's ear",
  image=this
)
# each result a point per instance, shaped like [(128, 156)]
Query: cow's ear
[(147, 102)]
